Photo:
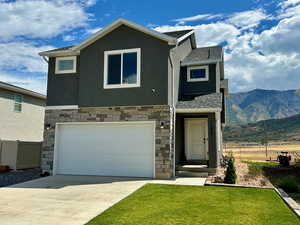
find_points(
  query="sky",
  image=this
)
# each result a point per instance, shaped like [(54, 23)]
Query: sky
[(261, 38)]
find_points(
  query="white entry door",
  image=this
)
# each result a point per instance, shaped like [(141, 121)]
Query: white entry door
[(196, 138), (105, 149)]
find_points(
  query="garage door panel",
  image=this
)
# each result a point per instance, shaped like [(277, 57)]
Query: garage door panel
[(111, 149)]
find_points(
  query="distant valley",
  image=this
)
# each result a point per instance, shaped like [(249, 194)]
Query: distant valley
[(256, 105), (263, 114)]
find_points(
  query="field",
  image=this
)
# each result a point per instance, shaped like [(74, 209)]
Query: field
[(257, 152)]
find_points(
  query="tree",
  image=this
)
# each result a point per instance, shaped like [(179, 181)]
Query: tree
[(230, 176)]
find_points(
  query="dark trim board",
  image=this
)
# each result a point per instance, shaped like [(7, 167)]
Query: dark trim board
[(179, 142)]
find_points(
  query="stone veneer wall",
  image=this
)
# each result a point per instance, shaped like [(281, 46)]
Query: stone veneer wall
[(163, 146)]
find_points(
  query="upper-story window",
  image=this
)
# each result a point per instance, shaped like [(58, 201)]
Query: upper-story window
[(18, 103), (65, 64), (122, 68), (198, 73)]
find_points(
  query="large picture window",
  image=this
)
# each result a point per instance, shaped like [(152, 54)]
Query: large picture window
[(122, 68)]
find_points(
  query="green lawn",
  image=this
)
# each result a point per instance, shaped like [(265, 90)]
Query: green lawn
[(156, 204), (256, 168)]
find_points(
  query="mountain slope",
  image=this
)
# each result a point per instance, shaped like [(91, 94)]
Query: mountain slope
[(286, 129), (256, 105)]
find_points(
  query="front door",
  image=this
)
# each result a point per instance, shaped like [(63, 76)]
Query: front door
[(196, 138)]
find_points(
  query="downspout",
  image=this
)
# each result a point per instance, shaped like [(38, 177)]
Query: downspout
[(173, 107)]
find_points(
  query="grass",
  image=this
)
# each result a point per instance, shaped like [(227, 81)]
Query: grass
[(256, 168), (156, 204)]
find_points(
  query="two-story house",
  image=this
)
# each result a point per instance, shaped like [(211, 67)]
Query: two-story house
[(21, 114), (130, 101)]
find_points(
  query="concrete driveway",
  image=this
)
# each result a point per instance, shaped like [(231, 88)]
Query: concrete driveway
[(67, 200)]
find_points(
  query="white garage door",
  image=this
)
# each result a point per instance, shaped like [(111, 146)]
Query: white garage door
[(107, 149)]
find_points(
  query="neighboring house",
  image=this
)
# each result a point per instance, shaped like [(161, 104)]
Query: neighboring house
[(21, 114), (130, 101)]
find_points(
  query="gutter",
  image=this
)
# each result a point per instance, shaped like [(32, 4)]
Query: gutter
[(173, 107)]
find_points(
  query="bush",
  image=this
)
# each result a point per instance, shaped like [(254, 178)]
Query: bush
[(230, 176), (289, 184)]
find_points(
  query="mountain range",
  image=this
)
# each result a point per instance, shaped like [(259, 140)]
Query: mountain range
[(286, 129), (259, 104)]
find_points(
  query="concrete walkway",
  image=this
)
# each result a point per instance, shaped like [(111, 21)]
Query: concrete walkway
[(67, 200)]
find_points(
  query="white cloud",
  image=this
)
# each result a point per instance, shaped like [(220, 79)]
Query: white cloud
[(206, 34), (197, 17), (268, 59), (94, 30), (21, 56), (69, 37), (288, 3), (34, 83), (40, 18), (247, 19)]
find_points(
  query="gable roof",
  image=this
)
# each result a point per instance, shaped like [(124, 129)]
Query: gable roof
[(171, 37), (20, 90), (178, 33), (203, 56)]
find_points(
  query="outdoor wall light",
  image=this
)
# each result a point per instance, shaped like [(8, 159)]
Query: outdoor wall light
[(48, 126), (162, 125)]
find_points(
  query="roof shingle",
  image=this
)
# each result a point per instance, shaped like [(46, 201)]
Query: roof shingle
[(201, 102), (204, 55)]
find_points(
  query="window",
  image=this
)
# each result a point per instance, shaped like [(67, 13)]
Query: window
[(122, 68), (18, 103), (65, 65), (199, 73)]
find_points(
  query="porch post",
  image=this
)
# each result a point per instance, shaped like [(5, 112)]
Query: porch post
[(218, 136)]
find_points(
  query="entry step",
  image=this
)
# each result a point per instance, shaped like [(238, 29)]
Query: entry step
[(181, 173)]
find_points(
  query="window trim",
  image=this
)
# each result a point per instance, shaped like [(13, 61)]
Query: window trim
[(122, 51), (189, 79), (57, 71), (18, 103)]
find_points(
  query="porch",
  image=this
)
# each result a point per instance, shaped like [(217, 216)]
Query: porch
[(196, 151), (198, 136)]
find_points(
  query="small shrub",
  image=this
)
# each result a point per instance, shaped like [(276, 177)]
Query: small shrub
[(230, 176), (289, 184)]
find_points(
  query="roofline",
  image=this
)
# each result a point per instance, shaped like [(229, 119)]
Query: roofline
[(185, 36), (11, 87), (200, 62), (197, 110), (116, 24), (75, 50), (67, 52)]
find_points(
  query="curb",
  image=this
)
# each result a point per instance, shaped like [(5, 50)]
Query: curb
[(291, 203)]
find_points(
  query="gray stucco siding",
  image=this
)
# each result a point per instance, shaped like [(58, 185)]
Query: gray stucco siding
[(189, 90), (154, 71), (62, 89)]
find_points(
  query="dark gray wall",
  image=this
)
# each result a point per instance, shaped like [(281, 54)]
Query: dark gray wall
[(154, 71), (62, 89), (212, 148), (189, 90), (223, 112)]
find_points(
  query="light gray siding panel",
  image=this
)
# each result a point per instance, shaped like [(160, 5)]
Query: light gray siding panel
[(178, 54), (26, 125)]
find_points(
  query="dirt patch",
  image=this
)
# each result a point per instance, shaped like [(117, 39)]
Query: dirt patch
[(243, 176)]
